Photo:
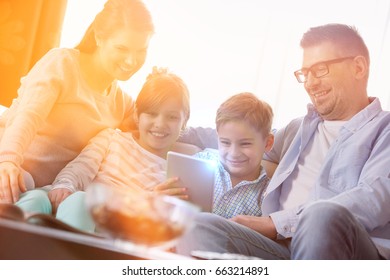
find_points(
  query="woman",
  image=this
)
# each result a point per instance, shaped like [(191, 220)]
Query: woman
[(69, 96)]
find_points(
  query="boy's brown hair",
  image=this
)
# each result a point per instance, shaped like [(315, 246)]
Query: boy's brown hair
[(246, 107)]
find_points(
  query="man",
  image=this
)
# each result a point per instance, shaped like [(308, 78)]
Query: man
[(330, 194)]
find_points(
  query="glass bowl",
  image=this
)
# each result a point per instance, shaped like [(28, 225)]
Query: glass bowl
[(139, 217)]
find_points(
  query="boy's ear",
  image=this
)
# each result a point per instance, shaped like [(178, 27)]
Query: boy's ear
[(270, 142), (184, 126)]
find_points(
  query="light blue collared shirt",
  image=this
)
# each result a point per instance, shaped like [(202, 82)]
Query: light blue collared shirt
[(355, 172)]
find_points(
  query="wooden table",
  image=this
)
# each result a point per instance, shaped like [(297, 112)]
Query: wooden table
[(23, 241)]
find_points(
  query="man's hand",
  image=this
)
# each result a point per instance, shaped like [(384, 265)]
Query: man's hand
[(263, 225), (11, 182), (57, 196)]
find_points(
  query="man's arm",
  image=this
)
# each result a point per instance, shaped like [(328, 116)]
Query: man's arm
[(263, 225), (203, 137), (269, 167)]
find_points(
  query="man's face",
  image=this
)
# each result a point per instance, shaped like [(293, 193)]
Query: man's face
[(336, 94)]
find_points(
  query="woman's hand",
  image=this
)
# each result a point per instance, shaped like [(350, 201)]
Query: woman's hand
[(11, 182), (170, 187), (57, 196), (263, 225)]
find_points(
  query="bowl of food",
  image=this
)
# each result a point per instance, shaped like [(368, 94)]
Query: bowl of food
[(139, 217)]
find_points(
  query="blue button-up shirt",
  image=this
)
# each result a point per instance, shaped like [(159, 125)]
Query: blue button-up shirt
[(355, 172)]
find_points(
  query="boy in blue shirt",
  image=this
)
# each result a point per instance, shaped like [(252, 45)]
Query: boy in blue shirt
[(243, 124)]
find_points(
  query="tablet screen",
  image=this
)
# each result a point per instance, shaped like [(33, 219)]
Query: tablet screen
[(196, 174)]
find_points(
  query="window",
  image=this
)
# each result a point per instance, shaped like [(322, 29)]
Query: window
[(223, 47)]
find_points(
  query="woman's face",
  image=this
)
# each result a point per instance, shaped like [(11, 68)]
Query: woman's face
[(123, 53), (160, 127)]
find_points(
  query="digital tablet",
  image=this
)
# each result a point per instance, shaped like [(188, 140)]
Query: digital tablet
[(195, 174)]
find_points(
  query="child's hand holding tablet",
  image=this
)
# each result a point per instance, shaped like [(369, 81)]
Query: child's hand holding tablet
[(195, 174)]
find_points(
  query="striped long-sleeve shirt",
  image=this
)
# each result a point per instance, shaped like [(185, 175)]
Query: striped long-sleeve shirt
[(113, 158)]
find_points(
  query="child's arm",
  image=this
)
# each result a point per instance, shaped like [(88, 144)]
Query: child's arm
[(80, 172), (57, 196)]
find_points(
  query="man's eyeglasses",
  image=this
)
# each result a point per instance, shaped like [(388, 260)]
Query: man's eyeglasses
[(319, 69)]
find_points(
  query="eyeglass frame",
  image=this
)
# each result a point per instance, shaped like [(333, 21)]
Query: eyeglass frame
[(299, 73)]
